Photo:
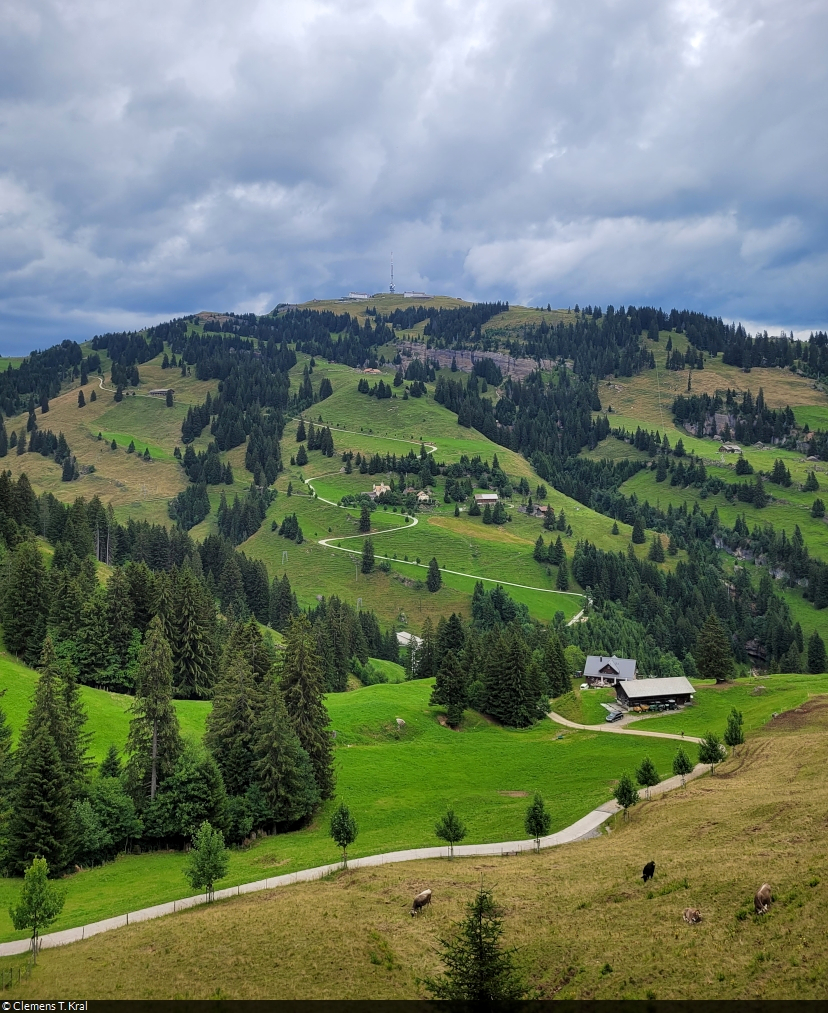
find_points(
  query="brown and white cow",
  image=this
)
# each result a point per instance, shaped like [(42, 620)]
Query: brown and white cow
[(692, 915), (420, 902), (762, 900)]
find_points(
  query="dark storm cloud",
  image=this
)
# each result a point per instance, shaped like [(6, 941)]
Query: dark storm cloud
[(158, 158)]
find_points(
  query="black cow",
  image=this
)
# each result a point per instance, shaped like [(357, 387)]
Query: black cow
[(649, 871)]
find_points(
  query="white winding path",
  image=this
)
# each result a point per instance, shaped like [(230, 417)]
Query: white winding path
[(328, 543), (584, 827)]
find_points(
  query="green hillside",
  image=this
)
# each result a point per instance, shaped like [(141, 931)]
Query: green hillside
[(584, 924)]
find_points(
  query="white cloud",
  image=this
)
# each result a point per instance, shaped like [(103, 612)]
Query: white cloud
[(162, 157)]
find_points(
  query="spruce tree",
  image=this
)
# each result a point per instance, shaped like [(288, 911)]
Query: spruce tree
[(282, 603), (816, 654), (478, 968), (714, 657), (555, 667), (81, 399), (368, 556), (426, 661), (638, 532), (25, 603), (434, 580), (656, 553), (40, 821), (154, 740), (4, 439), (510, 695), (247, 643), (562, 580), (119, 618), (557, 553), (282, 768), (192, 649), (231, 589), (6, 781), (302, 456), (111, 766), (231, 725), (365, 519), (303, 685), (451, 689)]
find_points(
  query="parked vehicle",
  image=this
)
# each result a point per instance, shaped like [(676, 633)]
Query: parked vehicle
[(615, 715), (584, 685)]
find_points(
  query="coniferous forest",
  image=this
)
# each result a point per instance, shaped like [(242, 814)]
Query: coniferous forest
[(177, 618)]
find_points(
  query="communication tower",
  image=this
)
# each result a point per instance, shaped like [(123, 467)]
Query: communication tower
[(392, 273)]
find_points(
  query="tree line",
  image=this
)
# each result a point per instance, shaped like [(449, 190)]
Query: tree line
[(265, 764)]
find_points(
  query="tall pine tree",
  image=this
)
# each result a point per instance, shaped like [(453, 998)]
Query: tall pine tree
[(714, 657), (231, 725), (191, 642), (283, 770), (303, 685), (154, 740), (25, 603)]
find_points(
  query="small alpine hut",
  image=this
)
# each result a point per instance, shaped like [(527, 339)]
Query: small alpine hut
[(671, 692)]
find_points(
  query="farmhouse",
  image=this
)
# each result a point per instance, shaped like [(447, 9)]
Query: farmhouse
[(602, 671), (379, 489), (482, 498), (675, 690), (423, 496), (162, 391), (730, 448)]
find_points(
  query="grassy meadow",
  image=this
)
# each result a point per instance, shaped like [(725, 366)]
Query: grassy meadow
[(108, 712), (584, 924), (396, 781)]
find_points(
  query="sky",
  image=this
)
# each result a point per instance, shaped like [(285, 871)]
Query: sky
[(162, 157)]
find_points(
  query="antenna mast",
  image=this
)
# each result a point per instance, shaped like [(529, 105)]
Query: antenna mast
[(392, 273)]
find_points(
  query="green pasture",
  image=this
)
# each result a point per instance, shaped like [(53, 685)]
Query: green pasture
[(108, 712), (584, 706), (314, 569), (780, 514), (397, 783), (394, 673), (369, 420), (145, 420), (757, 699), (813, 416)]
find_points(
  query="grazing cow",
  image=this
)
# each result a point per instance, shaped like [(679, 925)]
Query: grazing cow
[(692, 915), (420, 902), (649, 871), (762, 900)]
